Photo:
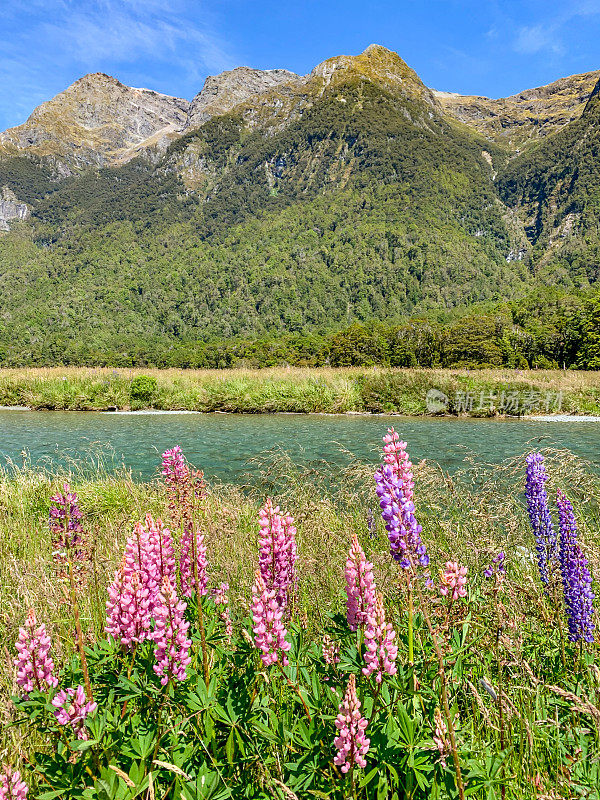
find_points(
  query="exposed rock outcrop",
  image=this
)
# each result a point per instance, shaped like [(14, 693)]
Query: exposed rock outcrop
[(11, 208)]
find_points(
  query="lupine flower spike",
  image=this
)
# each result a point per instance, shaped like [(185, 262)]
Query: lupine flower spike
[(172, 651), (11, 785), (576, 576), (360, 586), (330, 650), (453, 581), (398, 513), (497, 566), (440, 737), (351, 743), (396, 457), (277, 551), (35, 667), (539, 515), (269, 631), (66, 529), (72, 709), (186, 569), (380, 650)]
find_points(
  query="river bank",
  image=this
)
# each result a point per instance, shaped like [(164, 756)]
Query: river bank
[(410, 392)]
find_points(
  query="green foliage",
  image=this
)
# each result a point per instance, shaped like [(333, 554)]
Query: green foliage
[(143, 388)]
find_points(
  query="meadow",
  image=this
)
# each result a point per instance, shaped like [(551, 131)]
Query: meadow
[(263, 687), (304, 390)]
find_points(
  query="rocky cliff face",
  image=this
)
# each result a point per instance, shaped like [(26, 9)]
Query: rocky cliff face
[(11, 209), (97, 121)]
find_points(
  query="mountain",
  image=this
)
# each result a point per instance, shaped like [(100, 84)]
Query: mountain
[(276, 204)]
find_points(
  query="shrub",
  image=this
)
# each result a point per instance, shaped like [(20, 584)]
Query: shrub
[(142, 389)]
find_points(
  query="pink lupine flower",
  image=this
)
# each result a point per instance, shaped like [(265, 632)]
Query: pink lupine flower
[(351, 742), (11, 785), (186, 571), (161, 552), (220, 598), (360, 586), (396, 456), (330, 650), (454, 580), (173, 466), (277, 551), (269, 631), (439, 737), (170, 635), (35, 667), (380, 652), (72, 709)]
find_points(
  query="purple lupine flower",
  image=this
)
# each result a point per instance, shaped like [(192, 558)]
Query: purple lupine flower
[(65, 527), (539, 514), (576, 576), (404, 533), (351, 743), (72, 709), (11, 785), (172, 651), (497, 565), (35, 667), (371, 524)]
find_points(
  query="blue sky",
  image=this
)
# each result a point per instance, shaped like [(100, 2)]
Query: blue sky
[(491, 47)]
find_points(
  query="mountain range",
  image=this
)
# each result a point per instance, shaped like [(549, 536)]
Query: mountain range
[(135, 224)]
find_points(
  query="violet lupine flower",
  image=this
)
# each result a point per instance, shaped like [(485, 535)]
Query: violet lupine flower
[(35, 667), (380, 650), (277, 551), (453, 581), (576, 576), (539, 514), (360, 586), (72, 709), (396, 457), (404, 533), (220, 598), (497, 565), (186, 571), (172, 651), (351, 742), (268, 628), (11, 785), (330, 650)]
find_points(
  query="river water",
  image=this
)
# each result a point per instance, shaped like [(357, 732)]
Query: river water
[(223, 445)]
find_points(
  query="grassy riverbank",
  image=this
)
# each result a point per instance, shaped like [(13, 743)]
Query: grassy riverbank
[(539, 741), (326, 390)]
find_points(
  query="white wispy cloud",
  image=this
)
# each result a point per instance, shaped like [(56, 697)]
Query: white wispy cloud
[(548, 35)]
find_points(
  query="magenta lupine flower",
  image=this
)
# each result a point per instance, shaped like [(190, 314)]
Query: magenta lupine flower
[(396, 457), (11, 785), (269, 631), (172, 651), (351, 742), (330, 650), (65, 527), (539, 515), (221, 599), (186, 572), (35, 667), (360, 586), (72, 709), (380, 650), (453, 580), (277, 551), (576, 576), (404, 533), (174, 466)]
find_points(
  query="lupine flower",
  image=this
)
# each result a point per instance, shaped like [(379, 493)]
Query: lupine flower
[(380, 650), (454, 580), (539, 514), (396, 457), (268, 628), (371, 525), (277, 551), (66, 528), (360, 586), (11, 785), (161, 552), (128, 608), (35, 667), (170, 635), (184, 486), (404, 533), (72, 709), (351, 742), (186, 571), (497, 565), (173, 466), (220, 598), (576, 576), (439, 737), (330, 650)]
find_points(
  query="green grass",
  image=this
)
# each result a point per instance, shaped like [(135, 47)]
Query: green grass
[(325, 390)]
